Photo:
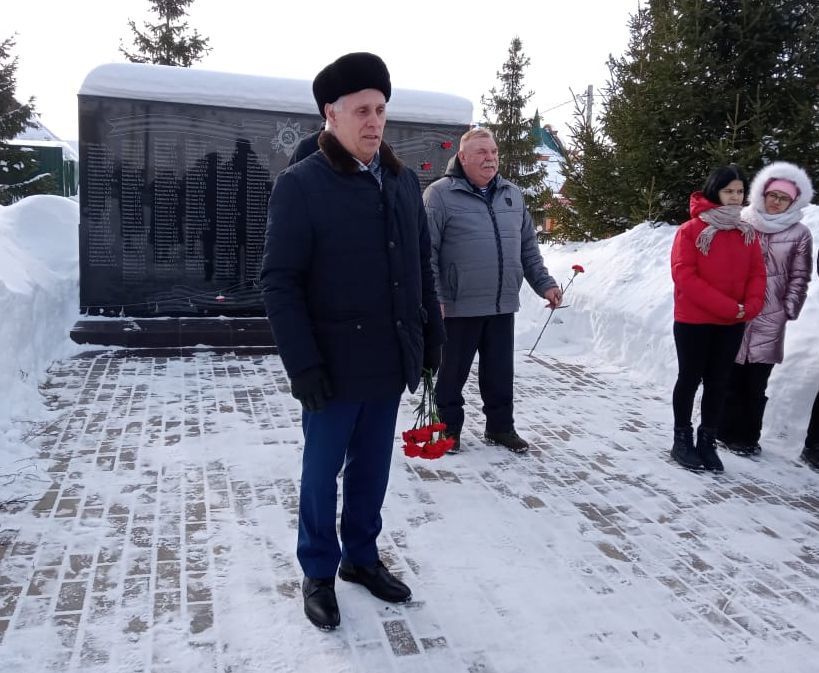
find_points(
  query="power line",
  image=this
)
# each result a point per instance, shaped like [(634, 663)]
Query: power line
[(554, 107), (572, 100)]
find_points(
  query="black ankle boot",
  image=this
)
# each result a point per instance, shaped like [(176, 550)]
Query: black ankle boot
[(707, 449), (320, 605), (683, 450)]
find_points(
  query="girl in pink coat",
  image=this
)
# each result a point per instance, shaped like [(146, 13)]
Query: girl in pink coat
[(777, 197)]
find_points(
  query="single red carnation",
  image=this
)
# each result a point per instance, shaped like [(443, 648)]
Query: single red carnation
[(432, 450), (423, 434), (578, 269), (412, 450), (440, 448), (447, 443)]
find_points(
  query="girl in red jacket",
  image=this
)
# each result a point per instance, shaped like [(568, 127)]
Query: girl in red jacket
[(719, 284)]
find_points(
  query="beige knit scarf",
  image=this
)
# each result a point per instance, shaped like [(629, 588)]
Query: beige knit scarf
[(722, 218)]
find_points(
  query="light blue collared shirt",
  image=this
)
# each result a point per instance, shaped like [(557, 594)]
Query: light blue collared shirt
[(373, 167)]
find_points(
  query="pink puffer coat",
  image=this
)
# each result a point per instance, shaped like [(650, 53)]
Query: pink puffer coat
[(788, 258)]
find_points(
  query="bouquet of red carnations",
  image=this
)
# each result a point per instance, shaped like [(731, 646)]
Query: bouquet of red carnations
[(426, 439)]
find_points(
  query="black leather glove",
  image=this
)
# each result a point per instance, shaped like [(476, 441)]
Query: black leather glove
[(432, 358), (312, 388)]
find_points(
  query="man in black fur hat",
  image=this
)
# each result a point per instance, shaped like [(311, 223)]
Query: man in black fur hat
[(349, 293)]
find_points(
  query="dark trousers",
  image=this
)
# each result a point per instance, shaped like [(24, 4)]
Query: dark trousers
[(358, 436), (812, 440), (493, 338), (705, 354), (745, 402)]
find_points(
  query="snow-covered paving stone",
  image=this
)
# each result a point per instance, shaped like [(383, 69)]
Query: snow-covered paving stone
[(164, 538)]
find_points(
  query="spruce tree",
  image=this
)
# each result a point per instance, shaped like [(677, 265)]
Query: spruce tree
[(588, 206), (18, 166), (705, 83), (168, 42), (503, 115)]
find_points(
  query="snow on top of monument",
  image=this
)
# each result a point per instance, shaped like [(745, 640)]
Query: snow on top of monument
[(203, 87)]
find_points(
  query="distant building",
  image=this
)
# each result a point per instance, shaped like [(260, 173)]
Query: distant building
[(551, 152), (54, 156)]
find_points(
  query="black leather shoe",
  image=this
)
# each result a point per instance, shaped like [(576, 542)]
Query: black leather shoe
[(378, 580), (456, 447), (320, 605), (511, 440)]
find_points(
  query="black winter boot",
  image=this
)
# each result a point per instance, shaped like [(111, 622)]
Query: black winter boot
[(683, 450), (707, 449)]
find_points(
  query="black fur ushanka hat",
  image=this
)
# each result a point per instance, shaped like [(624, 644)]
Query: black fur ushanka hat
[(348, 74)]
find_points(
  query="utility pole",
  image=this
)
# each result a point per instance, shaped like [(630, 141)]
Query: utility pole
[(589, 99)]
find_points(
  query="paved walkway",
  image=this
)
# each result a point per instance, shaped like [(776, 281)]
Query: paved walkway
[(165, 541)]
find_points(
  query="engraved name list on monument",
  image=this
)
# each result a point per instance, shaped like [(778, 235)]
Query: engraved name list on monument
[(166, 216), (100, 242), (227, 184), (132, 221), (258, 191), (196, 215)]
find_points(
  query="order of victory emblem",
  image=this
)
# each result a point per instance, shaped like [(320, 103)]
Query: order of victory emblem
[(287, 137)]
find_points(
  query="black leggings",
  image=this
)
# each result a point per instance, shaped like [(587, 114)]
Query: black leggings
[(745, 402), (704, 355)]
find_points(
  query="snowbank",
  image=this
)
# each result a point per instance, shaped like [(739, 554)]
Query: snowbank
[(621, 312), (39, 302)]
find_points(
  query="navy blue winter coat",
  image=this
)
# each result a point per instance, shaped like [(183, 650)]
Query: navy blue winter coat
[(346, 274)]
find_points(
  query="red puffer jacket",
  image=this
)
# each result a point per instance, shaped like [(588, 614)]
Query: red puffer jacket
[(707, 288)]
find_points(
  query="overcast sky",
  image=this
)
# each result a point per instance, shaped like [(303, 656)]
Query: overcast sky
[(453, 47)]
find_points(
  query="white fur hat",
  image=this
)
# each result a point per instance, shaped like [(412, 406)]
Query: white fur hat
[(781, 170)]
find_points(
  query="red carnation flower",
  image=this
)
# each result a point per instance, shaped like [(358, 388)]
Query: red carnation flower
[(412, 450), (577, 268)]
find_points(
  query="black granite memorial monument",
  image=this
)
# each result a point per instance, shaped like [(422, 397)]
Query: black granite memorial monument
[(176, 167)]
